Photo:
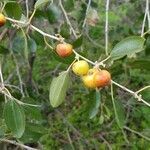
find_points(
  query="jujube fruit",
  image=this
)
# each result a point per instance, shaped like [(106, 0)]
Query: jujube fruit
[(80, 67), (88, 79), (2, 20), (64, 49), (102, 78)]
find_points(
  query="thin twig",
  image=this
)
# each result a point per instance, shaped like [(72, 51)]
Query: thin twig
[(33, 27), (148, 13), (69, 138), (32, 15), (144, 20), (67, 19), (106, 28), (107, 143), (6, 92), (1, 76), (116, 114), (101, 63), (12, 86), (16, 21), (44, 34), (19, 76), (3, 6), (18, 144), (78, 55), (71, 65), (123, 87), (3, 34), (47, 44), (135, 132), (145, 33), (144, 88), (87, 10), (143, 25), (138, 97), (27, 9)]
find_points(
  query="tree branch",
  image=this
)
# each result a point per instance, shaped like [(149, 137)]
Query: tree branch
[(18, 144)]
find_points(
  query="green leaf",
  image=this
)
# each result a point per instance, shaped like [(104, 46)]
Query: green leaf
[(101, 119), (20, 45), (3, 50), (38, 38), (58, 89), (128, 46), (33, 113), (140, 64), (40, 3), (33, 132), (78, 42), (69, 5), (119, 113), (64, 31), (13, 10), (95, 105), (147, 48), (2, 133), (32, 46), (53, 13), (14, 118)]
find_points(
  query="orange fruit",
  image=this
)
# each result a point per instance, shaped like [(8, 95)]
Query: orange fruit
[(64, 49)]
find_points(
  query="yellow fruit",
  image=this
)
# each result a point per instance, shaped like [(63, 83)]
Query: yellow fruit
[(64, 49), (102, 78), (2, 20), (80, 67), (88, 79)]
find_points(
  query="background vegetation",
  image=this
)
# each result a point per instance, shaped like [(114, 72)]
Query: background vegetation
[(83, 121)]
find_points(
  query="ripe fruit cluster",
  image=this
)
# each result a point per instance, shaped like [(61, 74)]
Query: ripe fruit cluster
[(92, 78), (2, 20)]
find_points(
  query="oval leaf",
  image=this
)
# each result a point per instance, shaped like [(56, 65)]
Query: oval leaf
[(40, 3), (58, 89), (64, 31), (78, 42), (32, 46), (14, 118), (13, 10), (101, 119), (95, 106), (20, 45), (53, 13), (128, 46)]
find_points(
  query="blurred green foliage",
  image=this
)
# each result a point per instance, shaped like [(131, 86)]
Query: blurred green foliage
[(69, 126)]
